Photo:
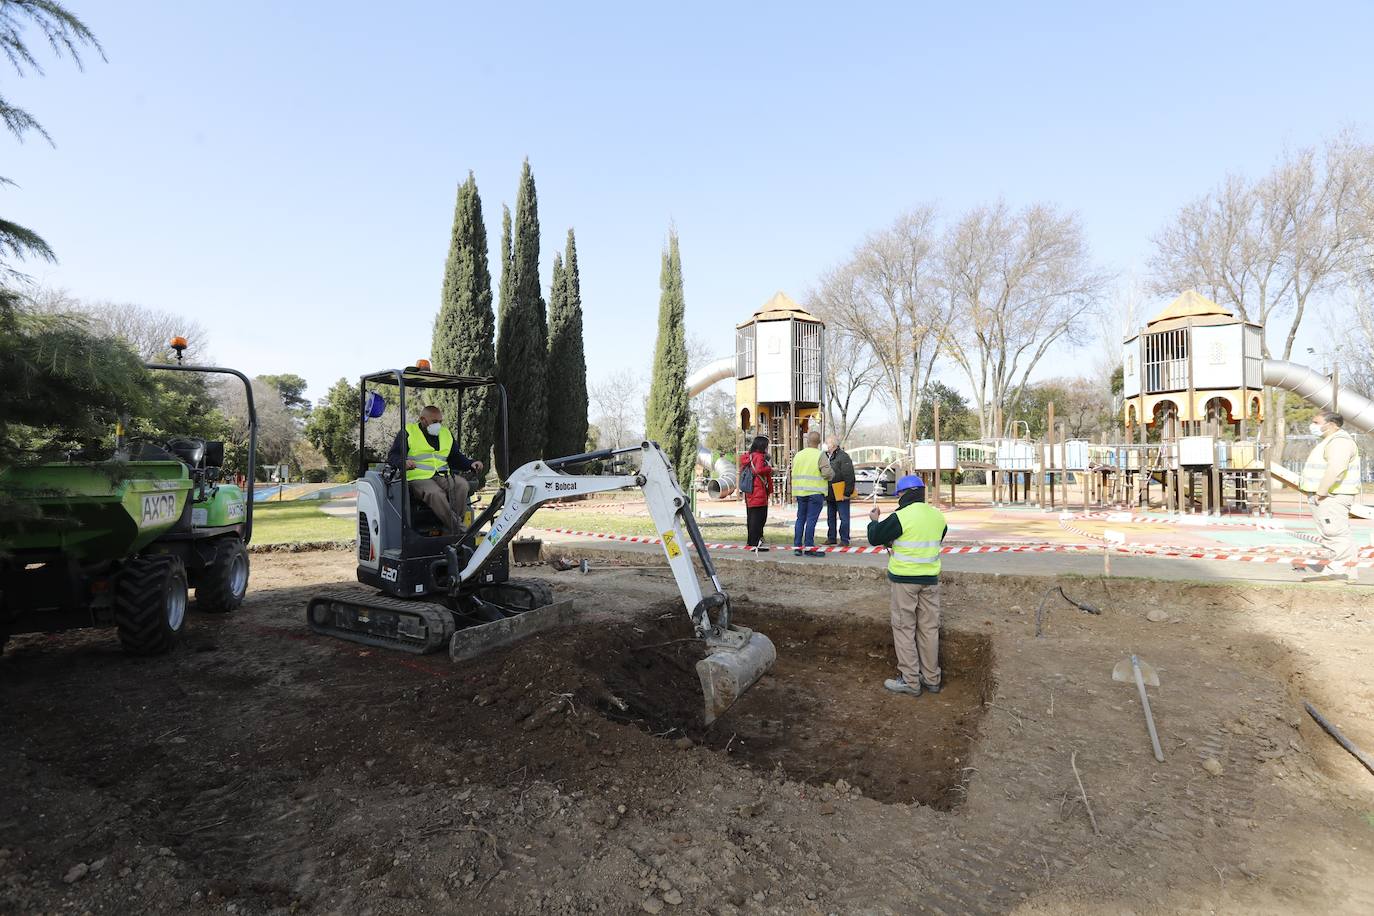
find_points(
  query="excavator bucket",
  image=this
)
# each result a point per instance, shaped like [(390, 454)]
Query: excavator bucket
[(741, 657)]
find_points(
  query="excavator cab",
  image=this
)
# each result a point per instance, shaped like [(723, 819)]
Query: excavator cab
[(434, 589)]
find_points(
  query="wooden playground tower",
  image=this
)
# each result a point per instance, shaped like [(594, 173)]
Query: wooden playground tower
[(1194, 377), (780, 380), (1194, 373)]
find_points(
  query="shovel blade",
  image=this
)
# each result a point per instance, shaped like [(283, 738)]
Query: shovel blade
[(729, 671), (1123, 672)]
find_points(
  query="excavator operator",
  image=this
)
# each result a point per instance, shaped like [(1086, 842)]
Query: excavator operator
[(433, 467)]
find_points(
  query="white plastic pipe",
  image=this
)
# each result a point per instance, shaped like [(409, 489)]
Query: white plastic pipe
[(1311, 385)]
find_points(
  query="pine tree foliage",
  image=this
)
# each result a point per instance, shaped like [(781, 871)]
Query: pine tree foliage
[(522, 349), (66, 36), (567, 359), (668, 419), (465, 331)]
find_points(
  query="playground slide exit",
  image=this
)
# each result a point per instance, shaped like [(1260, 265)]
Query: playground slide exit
[(1312, 386)]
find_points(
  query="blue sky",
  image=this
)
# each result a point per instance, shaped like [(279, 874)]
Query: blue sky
[(285, 172)]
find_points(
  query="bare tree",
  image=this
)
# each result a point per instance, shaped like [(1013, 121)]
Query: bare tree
[(619, 402), (887, 297), (148, 331), (1018, 284), (278, 430), (851, 371)]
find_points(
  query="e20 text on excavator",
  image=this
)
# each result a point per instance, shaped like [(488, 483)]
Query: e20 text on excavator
[(429, 589)]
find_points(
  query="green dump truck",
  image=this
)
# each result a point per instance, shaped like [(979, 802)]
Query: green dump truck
[(119, 543)]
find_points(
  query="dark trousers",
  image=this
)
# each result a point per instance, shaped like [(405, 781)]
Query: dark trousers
[(808, 511), (756, 516), (837, 509)]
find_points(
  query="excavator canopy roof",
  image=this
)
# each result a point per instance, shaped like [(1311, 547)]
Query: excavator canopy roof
[(426, 378)]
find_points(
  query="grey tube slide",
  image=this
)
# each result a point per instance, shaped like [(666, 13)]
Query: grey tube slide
[(1357, 409), (722, 478)]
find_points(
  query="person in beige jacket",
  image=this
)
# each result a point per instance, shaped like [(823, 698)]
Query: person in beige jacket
[(1331, 480)]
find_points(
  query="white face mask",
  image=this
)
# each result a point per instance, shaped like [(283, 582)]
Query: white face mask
[(1316, 429), (434, 428)]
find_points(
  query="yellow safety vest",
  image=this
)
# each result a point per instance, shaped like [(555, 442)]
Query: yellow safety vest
[(806, 473), (917, 551), (428, 462), (1347, 482)]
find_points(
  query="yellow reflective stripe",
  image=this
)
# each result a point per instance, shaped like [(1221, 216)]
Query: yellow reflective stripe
[(913, 555), (427, 461), (1346, 484), (806, 473)]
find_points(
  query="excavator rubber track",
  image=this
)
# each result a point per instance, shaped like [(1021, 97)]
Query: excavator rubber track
[(520, 594), (417, 627)]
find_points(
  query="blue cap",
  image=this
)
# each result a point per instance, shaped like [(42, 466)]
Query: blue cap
[(910, 482)]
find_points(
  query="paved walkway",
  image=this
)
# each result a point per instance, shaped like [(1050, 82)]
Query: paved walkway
[(1012, 564)]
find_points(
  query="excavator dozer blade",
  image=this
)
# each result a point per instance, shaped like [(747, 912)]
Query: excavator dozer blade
[(732, 669), (474, 641)]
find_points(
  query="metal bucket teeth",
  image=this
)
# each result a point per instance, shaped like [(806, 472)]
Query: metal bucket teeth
[(730, 671)]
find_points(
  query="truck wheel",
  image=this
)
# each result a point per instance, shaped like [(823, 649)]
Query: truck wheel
[(223, 584), (150, 604)]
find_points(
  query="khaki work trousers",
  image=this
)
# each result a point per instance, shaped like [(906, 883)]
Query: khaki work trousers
[(1332, 516), (916, 631), (447, 496)]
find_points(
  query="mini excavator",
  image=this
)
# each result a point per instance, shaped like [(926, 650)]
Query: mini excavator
[(428, 589)]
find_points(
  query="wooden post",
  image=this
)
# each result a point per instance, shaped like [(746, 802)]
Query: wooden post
[(1049, 449), (1064, 462), (935, 421)]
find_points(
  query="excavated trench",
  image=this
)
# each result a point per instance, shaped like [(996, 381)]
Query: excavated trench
[(822, 715)]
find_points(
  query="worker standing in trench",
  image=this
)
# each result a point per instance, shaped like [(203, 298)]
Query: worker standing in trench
[(914, 533), (1331, 478)]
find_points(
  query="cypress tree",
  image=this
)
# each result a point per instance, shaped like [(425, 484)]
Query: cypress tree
[(522, 350), (567, 360), (465, 331), (668, 419), (507, 270)]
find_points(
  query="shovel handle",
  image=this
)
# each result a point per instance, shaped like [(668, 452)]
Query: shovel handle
[(1145, 702)]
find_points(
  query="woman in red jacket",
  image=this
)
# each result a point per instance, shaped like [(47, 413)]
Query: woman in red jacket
[(756, 500)]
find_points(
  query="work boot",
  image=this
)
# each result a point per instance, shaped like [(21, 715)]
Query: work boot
[(898, 684), (813, 552), (797, 551), (844, 543), (930, 688), (829, 542)]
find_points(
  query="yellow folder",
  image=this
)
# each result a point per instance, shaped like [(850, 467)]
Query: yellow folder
[(838, 489)]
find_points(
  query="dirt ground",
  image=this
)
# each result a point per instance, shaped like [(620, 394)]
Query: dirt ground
[(260, 769)]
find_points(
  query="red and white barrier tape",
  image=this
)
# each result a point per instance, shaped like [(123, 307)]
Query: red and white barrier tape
[(1180, 553)]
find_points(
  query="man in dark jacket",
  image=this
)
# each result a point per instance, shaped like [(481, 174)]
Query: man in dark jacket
[(837, 504)]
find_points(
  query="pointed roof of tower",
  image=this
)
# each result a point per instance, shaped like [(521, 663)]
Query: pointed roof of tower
[(1192, 304), (780, 308)]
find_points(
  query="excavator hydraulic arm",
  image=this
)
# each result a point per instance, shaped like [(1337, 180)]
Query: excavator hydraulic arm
[(738, 656)]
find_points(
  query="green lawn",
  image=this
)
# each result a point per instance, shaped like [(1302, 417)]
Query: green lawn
[(289, 522)]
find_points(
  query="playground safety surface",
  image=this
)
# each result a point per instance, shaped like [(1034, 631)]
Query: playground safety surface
[(265, 768)]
